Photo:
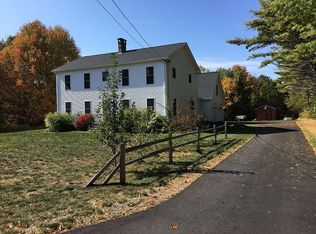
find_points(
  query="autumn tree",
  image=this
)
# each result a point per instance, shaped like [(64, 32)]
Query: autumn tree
[(239, 87), (28, 60)]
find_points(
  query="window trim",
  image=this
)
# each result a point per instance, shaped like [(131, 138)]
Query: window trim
[(68, 102), (67, 87), (85, 80), (87, 101), (126, 78), (150, 77), (154, 106), (217, 90)]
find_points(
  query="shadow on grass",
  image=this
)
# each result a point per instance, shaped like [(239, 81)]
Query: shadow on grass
[(164, 172)]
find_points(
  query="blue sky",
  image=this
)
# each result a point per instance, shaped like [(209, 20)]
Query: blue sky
[(204, 24)]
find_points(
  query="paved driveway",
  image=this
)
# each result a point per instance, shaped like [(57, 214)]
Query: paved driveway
[(268, 186)]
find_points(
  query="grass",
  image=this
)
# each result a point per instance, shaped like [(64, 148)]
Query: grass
[(43, 173)]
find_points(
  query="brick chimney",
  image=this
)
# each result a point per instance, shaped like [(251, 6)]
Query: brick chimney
[(121, 45)]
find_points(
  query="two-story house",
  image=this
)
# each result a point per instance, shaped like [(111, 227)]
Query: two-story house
[(157, 78)]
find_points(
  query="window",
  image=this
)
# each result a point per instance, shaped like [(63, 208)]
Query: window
[(87, 80), (125, 79), (190, 78), (149, 75), (105, 75), (87, 107), (68, 107), (216, 90), (67, 82), (174, 106), (151, 104), (174, 73), (191, 104), (125, 103)]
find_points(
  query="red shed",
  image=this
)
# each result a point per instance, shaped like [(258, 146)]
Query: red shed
[(266, 112)]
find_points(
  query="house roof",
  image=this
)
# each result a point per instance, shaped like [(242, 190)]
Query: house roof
[(207, 84), (130, 56)]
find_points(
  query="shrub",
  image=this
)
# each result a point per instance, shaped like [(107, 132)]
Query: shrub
[(59, 122), (185, 120), (144, 121), (84, 122), (157, 123)]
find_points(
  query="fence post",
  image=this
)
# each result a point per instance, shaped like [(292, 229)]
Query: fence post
[(214, 130), (198, 139), (225, 129), (122, 164), (170, 147)]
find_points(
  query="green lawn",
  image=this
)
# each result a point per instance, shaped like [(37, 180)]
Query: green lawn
[(43, 173)]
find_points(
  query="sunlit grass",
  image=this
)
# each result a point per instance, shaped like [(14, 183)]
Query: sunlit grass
[(43, 173)]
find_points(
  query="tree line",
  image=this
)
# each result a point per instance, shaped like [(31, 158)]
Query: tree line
[(244, 93)]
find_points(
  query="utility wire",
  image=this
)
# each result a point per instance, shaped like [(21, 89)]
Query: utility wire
[(136, 29), (123, 28), (118, 23)]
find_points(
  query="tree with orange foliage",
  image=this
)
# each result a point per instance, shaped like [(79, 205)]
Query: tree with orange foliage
[(27, 62), (239, 90)]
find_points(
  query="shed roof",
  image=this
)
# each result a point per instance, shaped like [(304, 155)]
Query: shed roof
[(130, 56), (263, 106)]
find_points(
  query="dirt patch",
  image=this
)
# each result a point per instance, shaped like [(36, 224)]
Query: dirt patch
[(308, 127)]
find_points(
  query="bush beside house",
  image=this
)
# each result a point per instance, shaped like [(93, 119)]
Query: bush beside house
[(59, 122)]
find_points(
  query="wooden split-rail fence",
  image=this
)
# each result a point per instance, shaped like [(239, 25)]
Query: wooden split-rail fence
[(121, 154)]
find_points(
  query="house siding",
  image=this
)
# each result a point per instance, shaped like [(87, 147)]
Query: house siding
[(179, 87), (137, 91)]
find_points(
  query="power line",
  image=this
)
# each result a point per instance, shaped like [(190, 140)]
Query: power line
[(136, 29), (118, 23), (124, 28)]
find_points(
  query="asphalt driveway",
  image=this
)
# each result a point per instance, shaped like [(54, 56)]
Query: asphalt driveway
[(268, 186)]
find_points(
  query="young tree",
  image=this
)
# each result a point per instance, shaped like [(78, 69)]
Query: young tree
[(110, 110)]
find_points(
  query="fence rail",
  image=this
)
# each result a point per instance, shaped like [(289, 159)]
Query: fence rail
[(121, 154)]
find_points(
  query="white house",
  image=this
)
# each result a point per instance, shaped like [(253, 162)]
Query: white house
[(148, 81)]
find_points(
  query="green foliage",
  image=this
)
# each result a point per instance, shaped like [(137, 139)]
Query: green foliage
[(144, 121), (268, 93), (296, 104), (287, 33), (59, 122), (157, 123), (110, 110), (135, 120), (309, 111)]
